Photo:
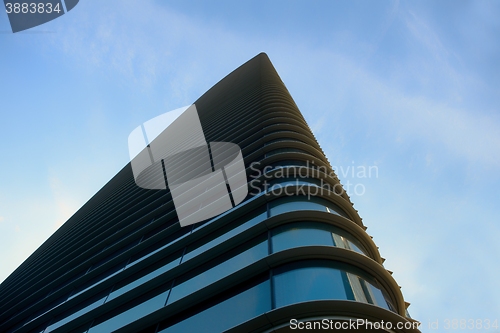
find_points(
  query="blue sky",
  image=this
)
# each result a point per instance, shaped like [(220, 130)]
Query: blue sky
[(412, 88)]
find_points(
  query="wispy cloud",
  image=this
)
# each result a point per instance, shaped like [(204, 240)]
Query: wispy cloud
[(469, 134), (64, 202), (144, 44), (422, 32)]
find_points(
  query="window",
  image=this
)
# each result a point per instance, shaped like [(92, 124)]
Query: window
[(134, 281), (349, 244), (295, 181), (295, 202), (300, 234), (312, 233), (309, 280), (219, 268), (233, 310), (76, 312), (114, 254), (98, 279), (195, 249), (132, 314), (325, 279), (45, 309), (160, 245)]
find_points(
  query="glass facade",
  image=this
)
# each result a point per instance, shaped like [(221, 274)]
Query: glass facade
[(291, 235), (344, 285)]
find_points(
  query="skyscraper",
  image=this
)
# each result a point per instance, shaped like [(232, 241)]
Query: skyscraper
[(292, 253)]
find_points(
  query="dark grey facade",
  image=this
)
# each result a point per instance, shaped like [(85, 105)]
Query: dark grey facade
[(294, 249)]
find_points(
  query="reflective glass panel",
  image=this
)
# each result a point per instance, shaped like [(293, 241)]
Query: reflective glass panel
[(377, 297), (162, 244), (301, 234), (228, 313), (246, 225), (294, 203), (324, 279), (114, 254), (298, 202), (214, 273), (312, 233), (343, 242), (45, 309), (91, 304), (281, 182), (354, 247), (307, 281), (98, 279), (131, 314), (120, 289)]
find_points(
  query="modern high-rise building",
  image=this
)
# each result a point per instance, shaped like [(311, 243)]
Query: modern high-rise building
[(293, 254)]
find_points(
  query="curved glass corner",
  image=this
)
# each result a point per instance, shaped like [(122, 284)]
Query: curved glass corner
[(312, 280), (299, 234)]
